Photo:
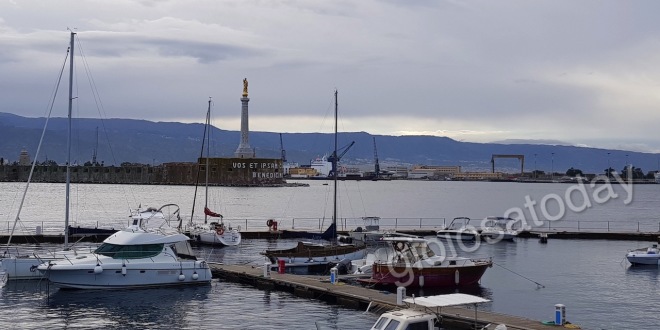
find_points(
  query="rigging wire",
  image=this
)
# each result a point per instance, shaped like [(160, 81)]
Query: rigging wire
[(102, 114), (41, 139)]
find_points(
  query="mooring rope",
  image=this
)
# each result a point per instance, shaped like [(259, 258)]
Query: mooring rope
[(537, 283)]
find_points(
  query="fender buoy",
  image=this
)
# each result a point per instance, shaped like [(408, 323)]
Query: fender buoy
[(269, 223), (220, 231)]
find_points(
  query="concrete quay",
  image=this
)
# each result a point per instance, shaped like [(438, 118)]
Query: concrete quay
[(357, 297)]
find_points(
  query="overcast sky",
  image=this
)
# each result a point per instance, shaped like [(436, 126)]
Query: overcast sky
[(581, 72)]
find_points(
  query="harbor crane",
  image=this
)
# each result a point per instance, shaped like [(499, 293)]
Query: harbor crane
[(334, 159), (282, 150)]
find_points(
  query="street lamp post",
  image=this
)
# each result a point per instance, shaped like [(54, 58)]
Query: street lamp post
[(552, 167), (609, 173)]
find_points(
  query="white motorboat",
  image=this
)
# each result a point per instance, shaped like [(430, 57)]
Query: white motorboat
[(459, 229), (426, 312), (496, 229), (644, 256), (371, 232), (149, 253)]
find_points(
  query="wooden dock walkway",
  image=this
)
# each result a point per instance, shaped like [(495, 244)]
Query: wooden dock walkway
[(357, 297)]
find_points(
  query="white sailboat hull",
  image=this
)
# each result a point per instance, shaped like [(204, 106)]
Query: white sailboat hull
[(22, 268)]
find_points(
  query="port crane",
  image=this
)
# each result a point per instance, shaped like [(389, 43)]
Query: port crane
[(282, 150), (334, 158), (376, 165)]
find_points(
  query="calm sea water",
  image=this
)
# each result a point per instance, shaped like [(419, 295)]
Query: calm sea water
[(591, 277)]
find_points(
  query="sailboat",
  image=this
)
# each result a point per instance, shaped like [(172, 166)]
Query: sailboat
[(21, 266), (216, 233), (317, 253)]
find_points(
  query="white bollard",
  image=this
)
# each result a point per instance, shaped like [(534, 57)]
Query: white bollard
[(333, 275), (400, 295), (267, 270), (560, 314)]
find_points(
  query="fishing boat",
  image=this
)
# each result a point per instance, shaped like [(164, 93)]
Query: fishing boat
[(216, 232), (459, 229), (320, 253), (148, 253), (19, 265), (498, 228), (644, 256), (410, 262)]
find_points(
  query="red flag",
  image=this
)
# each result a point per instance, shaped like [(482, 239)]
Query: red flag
[(211, 213)]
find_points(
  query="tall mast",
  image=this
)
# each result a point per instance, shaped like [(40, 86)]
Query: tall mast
[(334, 165), (208, 151), (68, 143), (96, 146)]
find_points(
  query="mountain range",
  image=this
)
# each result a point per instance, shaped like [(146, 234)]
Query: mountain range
[(147, 142)]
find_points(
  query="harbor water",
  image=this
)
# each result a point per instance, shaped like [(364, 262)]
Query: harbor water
[(591, 277)]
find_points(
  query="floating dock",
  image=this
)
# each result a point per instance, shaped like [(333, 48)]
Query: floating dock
[(357, 297)]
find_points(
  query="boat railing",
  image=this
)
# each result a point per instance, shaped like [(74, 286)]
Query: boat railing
[(54, 228)]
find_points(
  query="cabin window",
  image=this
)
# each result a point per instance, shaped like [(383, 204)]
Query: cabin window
[(129, 251), (379, 324), (421, 325), (392, 325)]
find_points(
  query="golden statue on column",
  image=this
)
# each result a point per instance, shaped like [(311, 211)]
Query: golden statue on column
[(245, 85)]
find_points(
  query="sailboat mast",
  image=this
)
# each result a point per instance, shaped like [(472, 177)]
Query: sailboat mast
[(334, 165), (68, 143), (208, 152)]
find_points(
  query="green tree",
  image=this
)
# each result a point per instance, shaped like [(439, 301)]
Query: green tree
[(573, 172)]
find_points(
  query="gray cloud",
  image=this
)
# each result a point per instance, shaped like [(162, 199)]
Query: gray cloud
[(581, 72)]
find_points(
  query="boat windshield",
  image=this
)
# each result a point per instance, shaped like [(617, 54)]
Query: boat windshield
[(129, 251), (422, 250)]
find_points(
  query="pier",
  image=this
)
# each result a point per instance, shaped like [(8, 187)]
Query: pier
[(357, 297)]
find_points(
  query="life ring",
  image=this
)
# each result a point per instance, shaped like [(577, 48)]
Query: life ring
[(269, 223), (220, 231), (399, 246)]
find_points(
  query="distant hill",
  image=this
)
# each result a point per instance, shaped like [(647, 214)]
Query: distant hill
[(141, 141)]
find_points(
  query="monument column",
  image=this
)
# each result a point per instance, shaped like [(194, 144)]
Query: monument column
[(244, 150)]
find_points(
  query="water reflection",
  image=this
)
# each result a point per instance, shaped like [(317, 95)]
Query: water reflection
[(640, 271), (165, 308)]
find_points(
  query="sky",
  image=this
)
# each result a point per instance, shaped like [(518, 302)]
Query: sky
[(582, 73)]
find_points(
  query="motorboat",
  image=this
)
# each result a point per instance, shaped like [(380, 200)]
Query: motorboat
[(496, 229), (426, 312), (148, 253), (410, 262), (371, 232), (459, 229), (644, 256)]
